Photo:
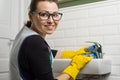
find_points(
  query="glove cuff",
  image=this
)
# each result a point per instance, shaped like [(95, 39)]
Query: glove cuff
[(82, 51), (72, 71)]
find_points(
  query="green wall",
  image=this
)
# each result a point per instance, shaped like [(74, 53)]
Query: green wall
[(77, 2)]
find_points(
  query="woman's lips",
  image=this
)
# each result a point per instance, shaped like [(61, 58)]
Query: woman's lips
[(50, 27)]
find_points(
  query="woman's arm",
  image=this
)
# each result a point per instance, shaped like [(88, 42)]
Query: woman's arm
[(35, 60), (58, 55)]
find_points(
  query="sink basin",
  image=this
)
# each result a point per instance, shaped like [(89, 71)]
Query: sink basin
[(95, 66)]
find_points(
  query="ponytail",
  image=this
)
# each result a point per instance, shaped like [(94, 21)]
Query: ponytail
[(28, 24)]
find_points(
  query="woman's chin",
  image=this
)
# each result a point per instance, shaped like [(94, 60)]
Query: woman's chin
[(50, 32)]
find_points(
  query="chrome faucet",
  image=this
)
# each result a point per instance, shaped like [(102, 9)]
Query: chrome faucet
[(95, 49)]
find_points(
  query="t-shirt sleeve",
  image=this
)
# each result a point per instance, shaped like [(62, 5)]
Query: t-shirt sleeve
[(54, 52), (36, 53)]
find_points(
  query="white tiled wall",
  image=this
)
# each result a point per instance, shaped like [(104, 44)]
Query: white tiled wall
[(9, 25), (99, 22)]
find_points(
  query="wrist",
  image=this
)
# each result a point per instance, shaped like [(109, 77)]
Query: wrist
[(63, 76)]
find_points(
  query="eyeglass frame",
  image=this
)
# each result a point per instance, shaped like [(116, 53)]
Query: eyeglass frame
[(49, 14)]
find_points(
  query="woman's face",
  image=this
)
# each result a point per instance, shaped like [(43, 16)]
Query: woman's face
[(41, 25)]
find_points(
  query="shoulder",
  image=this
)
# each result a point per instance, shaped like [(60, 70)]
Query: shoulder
[(34, 44), (34, 47), (34, 40)]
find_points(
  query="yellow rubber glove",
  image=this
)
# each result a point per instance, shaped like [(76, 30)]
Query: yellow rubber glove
[(71, 53), (77, 63), (82, 51)]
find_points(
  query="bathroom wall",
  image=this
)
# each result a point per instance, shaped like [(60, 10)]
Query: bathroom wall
[(99, 22), (9, 26)]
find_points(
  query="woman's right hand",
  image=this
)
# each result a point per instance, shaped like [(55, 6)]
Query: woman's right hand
[(77, 63)]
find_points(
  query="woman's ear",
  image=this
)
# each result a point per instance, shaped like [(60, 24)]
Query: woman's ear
[(30, 16)]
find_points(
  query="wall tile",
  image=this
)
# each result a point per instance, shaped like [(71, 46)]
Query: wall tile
[(4, 49), (114, 19), (103, 10), (113, 40)]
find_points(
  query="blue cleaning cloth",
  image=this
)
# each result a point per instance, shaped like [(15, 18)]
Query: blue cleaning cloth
[(93, 52)]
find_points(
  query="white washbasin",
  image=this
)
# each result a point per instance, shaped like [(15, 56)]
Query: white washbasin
[(95, 66)]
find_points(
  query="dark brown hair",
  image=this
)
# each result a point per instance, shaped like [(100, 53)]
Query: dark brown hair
[(33, 6)]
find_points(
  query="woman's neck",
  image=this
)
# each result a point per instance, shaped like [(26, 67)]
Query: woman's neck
[(40, 33)]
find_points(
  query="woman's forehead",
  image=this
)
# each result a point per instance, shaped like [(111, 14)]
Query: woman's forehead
[(47, 6)]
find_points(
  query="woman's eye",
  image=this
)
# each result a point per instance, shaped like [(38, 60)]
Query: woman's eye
[(55, 15), (44, 14)]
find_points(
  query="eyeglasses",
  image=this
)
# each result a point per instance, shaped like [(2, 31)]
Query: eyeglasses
[(46, 15)]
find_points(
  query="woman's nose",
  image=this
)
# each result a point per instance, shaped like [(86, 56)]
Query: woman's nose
[(50, 19)]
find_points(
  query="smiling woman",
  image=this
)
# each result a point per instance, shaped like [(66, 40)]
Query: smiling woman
[(31, 57)]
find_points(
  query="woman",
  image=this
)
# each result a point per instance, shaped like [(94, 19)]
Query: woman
[(31, 56)]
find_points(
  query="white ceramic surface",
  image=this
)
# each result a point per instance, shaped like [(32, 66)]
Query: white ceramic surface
[(95, 66)]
